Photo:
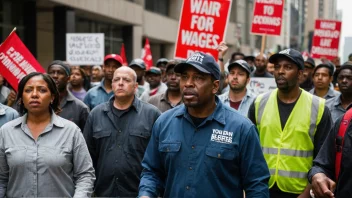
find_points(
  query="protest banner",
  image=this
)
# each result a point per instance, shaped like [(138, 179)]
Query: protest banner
[(326, 39), (267, 17), (202, 27), (16, 61), (261, 85), (85, 48)]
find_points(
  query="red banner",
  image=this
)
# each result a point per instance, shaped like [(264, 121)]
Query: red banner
[(202, 27), (326, 39), (267, 17), (147, 55), (16, 61)]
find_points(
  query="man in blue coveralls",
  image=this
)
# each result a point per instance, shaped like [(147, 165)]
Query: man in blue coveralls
[(203, 148)]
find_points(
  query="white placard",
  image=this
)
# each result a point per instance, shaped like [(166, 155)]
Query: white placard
[(85, 48), (261, 85)]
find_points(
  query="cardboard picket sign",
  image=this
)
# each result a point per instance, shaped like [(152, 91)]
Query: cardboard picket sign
[(326, 39), (267, 17), (261, 85), (202, 27), (16, 61)]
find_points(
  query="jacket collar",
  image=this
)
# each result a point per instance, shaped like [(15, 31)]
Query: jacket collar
[(136, 104)]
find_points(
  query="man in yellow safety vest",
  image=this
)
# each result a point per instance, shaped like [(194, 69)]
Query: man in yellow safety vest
[(292, 125)]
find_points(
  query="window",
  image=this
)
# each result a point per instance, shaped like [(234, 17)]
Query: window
[(158, 6), (11, 15), (112, 33)]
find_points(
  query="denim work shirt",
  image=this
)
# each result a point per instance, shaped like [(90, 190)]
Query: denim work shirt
[(335, 107), (97, 95), (247, 100), (331, 93), (221, 157), (57, 164), (117, 144)]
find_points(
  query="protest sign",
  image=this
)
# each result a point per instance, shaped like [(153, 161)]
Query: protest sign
[(326, 39), (85, 48), (202, 27), (16, 61), (261, 85), (267, 17)]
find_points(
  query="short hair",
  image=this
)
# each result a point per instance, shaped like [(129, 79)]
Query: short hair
[(236, 54), (55, 105), (350, 57)]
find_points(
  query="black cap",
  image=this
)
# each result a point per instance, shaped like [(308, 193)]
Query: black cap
[(161, 60), (138, 62), (240, 63), (294, 55), (203, 62), (171, 64), (327, 65), (154, 70), (311, 61)]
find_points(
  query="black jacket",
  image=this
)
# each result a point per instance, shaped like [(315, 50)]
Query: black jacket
[(325, 161)]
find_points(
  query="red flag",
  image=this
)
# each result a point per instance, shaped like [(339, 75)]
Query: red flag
[(123, 55), (16, 61), (147, 55)]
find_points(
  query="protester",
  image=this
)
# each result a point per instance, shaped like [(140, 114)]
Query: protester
[(306, 82), (155, 85), (270, 68), (7, 114), (42, 154), (139, 67), (250, 60), (97, 76), (78, 83), (161, 64), (323, 173), (4, 91), (350, 57), (222, 50), (260, 64), (203, 148), (172, 97), (292, 125), (87, 69), (101, 93), (322, 78), (71, 108), (338, 105), (238, 97), (236, 56), (117, 133)]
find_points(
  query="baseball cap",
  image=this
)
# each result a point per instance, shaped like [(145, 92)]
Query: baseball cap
[(171, 64), (161, 60), (138, 62), (203, 62), (114, 57), (63, 65), (327, 65), (293, 55), (154, 70), (311, 61), (240, 63)]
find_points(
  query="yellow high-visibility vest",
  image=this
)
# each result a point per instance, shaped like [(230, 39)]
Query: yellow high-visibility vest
[(288, 152)]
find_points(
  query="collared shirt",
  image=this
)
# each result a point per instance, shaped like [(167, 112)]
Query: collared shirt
[(142, 88), (219, 158), (97, 95), (247, 100), (146, 94), (331, 93), (57, 164), (335, 107), (7, 114), (161, 101), (117, 144), (74, 110)]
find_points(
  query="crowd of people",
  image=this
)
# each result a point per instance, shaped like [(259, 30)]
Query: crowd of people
[(179, 129)]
